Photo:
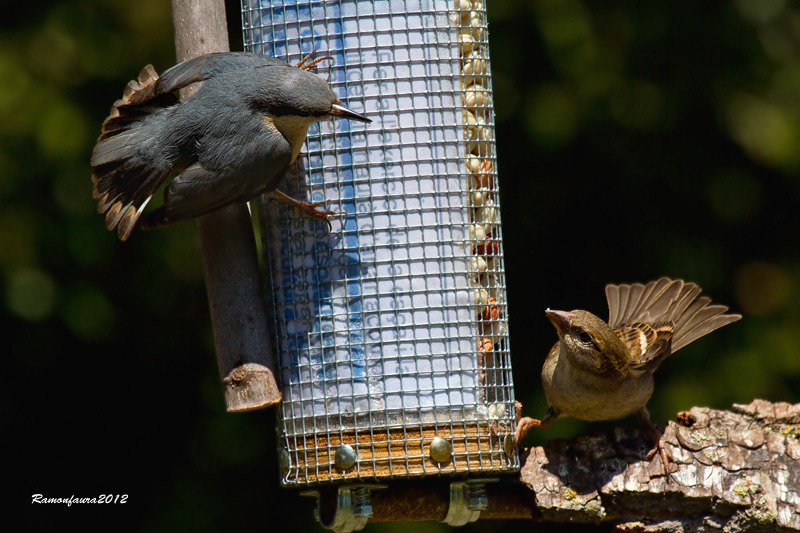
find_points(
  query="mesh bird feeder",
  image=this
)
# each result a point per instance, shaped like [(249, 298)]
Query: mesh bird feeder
[(391, 326)]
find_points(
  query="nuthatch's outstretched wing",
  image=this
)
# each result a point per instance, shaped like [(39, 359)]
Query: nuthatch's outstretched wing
[(149, 85), (185, 197), (193, 193), (209, 65), (124, 181), (248, 165)]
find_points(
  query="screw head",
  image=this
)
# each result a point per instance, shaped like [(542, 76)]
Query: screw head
[(345, 457), (478, 503), (285, 461), (363, 510), (508, 445), (476, 496), (440, 450)]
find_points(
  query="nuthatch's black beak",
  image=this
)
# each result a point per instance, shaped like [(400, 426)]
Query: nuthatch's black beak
[(338, 110)]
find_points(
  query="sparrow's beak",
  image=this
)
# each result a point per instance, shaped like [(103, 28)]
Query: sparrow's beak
[(560, 320), (338, 110)]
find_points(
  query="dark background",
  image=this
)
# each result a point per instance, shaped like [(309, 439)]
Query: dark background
[(635, 139)]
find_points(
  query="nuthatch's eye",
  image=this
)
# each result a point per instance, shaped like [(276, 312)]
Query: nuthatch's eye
[(585, 337)]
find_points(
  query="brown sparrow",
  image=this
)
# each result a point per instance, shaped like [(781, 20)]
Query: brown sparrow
[(604, 371)]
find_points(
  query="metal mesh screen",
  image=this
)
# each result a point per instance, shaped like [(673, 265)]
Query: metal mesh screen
[(391, 327)]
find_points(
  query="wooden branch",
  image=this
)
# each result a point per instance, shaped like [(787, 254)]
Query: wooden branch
[(735, 470), (242, 339)]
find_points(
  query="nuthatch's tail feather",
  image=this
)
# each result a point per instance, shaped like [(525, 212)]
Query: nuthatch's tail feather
[(123, 188), (124, 181), (140, 98)]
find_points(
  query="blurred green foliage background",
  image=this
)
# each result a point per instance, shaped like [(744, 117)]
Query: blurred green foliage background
[(635, 139)]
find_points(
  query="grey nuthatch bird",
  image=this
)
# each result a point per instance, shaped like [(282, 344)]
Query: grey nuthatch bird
[(231, 141)]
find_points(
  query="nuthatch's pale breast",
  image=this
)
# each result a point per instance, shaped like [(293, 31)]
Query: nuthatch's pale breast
[(231, 141)]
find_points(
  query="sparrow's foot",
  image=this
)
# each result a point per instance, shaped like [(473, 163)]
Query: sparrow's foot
[(525, 423), (307, 208), (686, 419), (655, 439)]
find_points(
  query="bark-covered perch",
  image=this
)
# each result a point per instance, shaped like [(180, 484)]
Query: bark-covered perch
[(736, 470)]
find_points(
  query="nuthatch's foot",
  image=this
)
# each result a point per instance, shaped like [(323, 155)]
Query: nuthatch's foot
[(307, 208), (307, 66)]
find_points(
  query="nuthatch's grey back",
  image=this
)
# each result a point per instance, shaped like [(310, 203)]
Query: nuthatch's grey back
[(234, 139)]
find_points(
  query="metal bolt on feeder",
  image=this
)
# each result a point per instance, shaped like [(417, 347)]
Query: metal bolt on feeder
[(391, 327)]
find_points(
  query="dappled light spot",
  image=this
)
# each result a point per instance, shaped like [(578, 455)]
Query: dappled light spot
[(31, 294)]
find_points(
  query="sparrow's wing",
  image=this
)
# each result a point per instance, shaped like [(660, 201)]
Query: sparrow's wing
[(667, 301), (615, 295), (648, 344), (693, 316), (698, 320), (641, 303)]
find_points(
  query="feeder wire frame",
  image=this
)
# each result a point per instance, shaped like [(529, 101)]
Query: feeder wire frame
[(379, 183)]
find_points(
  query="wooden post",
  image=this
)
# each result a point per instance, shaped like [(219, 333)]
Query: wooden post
[(235, 296)]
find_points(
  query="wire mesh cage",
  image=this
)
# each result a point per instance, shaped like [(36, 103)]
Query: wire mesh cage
[(391, 326)]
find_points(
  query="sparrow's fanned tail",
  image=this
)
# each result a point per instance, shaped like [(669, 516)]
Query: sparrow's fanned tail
[(125, 180), (666, 300)]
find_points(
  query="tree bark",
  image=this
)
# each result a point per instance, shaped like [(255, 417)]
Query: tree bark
[(735, 470), (731, 471)]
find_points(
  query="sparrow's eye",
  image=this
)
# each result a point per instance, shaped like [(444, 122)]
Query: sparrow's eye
[(585, 337)]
